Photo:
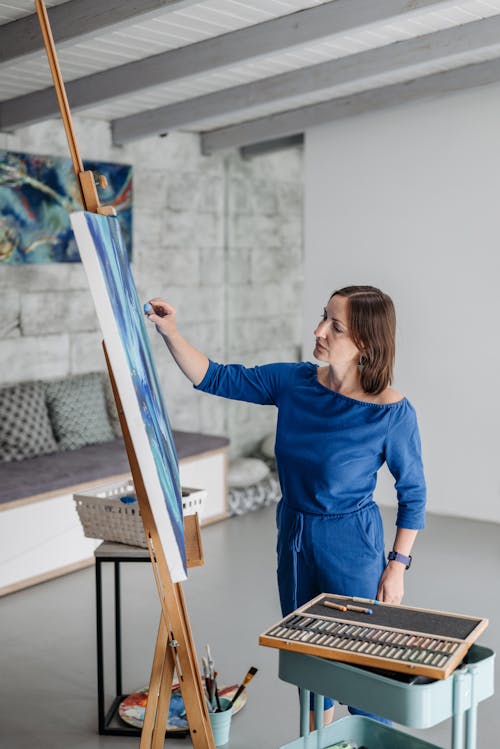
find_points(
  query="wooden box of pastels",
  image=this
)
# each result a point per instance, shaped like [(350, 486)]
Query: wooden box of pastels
[(378, 635)]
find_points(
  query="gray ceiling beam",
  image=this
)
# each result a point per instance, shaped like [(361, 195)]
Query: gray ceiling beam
[(298, 120), (271, 146), (479, 36), (337, 16), (74, 20)]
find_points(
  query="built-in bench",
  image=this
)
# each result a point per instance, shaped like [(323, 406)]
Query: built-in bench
[(40, 533)]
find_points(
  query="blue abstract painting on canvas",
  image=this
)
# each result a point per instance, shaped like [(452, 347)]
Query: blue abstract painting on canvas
[(37, 193)]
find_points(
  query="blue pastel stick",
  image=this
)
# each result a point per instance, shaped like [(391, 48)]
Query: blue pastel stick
[(149, 310)]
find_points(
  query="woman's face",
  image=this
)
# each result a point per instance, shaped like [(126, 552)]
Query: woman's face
[(334, 344)]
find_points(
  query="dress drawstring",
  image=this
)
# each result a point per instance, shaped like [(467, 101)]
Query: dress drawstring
[(296, 547)]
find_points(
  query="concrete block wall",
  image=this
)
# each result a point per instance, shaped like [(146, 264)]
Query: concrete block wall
[(264, 275), (221, 238)]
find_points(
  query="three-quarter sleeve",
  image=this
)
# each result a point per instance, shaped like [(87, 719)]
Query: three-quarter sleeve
[(403, 454), (261, 384)]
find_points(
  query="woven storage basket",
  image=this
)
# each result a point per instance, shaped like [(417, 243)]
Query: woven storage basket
[(104, 514)]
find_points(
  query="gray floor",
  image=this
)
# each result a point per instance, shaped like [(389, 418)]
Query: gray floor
[(47, 657)]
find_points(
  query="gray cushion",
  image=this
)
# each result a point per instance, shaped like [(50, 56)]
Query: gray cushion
[(78, 413), (55, 473), (25, 429), (63, 469)]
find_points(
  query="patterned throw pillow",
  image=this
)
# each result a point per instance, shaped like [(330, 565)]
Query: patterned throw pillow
[(111, 406), (77, 409), (25, 429)]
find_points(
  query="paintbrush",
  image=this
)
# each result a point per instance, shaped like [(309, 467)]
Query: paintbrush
[(211, 686), (208, 687), (206, 677), (216, 692), (210, 662), (249, 676)]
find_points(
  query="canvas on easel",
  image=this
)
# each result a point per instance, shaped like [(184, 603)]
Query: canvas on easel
[(121, 319), (147, 436)]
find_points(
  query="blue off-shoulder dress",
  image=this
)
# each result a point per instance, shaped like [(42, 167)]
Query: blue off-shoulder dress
[(329, 448)]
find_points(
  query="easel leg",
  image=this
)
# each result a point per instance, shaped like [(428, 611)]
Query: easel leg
[(184, 655), (164, 699), (160, 690), (157, 670), (174, 619), (190, 683)]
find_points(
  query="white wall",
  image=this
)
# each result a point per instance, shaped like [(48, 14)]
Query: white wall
[(408, 199)]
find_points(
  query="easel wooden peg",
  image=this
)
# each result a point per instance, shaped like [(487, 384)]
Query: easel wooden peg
[(85, 179)]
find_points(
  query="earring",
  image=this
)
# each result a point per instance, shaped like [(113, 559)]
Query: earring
[(362, 361)]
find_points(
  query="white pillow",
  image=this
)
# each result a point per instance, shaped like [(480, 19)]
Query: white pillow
[(246, 471), (267, 445)]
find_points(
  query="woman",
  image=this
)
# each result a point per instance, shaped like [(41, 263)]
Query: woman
[(337, 425)]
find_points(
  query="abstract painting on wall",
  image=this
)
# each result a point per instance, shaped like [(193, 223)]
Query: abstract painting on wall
[(37, 194), (121, 319)]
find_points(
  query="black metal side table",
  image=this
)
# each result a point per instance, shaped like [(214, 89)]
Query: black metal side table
[(109, 721)]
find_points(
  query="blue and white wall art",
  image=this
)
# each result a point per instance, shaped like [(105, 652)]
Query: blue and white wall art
[(37, 193), (121, 318)]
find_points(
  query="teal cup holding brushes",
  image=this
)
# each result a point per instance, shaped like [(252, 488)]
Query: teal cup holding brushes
[(221, 722)]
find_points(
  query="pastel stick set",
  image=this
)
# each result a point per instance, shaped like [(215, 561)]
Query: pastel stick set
[(396, 638)]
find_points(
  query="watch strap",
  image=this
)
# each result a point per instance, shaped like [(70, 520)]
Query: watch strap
[(395, 556)]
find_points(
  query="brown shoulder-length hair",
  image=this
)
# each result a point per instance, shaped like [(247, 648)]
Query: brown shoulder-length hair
[(372, 325)]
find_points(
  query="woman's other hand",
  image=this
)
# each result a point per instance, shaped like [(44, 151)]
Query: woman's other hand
[(391, 585)]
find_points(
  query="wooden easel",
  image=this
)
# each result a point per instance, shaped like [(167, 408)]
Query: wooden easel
[(174, 649)]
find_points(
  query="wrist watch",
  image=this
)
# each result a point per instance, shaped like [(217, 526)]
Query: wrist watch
[(395, 556)]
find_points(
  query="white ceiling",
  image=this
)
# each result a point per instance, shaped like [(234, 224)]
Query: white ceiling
[(196, 22), (19, 8), (165, 31)]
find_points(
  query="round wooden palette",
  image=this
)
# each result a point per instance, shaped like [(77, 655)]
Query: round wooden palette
[(133, 707)]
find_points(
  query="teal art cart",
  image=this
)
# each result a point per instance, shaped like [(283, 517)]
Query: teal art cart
[(414, 702)]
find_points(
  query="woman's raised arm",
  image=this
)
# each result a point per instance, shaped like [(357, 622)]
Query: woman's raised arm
[(193, 363)]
